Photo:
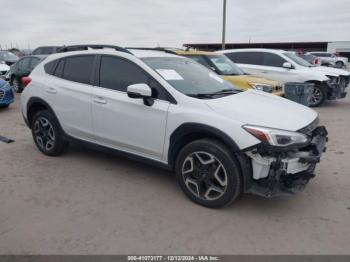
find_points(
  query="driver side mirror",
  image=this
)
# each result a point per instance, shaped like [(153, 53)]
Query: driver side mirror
[(287, 65), (141, 91)]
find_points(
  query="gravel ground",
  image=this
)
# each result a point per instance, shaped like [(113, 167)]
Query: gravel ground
[(90, 202)]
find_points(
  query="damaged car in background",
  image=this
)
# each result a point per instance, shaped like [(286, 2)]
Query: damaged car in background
[(286, 66)]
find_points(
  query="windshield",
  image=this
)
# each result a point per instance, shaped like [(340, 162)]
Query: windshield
[(224, 65), (7, 56), (308, 58), (298, 59), (189, 77)]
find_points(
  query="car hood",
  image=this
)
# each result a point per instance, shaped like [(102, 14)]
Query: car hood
[(263, 109), (331, 70), (4, 67), (246, 79)]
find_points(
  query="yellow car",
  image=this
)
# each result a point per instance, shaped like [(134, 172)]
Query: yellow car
[(231, 72)]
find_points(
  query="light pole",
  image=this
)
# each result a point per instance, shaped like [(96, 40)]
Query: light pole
[(223, 25)]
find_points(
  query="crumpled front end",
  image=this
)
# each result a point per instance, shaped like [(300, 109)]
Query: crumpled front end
[(337, 87), (286, 171)]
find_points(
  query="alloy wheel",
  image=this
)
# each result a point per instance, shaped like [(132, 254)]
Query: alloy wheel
[(204, 176), (316, 96), (15, 85), (44, 134)]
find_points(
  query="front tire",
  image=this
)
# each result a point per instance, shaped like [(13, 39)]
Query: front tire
[(208, 173), (318, 96), (47, 134), (339, 64)]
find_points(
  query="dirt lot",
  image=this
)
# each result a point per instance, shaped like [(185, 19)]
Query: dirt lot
[(94, 203)]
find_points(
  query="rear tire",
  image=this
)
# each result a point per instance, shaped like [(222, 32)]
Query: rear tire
[(47, 134), (208, 173), (318, 96), (17, 85)]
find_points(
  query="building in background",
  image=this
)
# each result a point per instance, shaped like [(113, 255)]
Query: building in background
[(341, 47)]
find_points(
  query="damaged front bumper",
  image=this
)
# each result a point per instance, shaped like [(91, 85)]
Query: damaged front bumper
[(338, 90), (286, 171)]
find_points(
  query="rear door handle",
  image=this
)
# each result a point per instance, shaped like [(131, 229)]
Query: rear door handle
[(100, 100), (51, 90)]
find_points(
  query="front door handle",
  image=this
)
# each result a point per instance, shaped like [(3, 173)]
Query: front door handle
[(51, 90), (100, 100)]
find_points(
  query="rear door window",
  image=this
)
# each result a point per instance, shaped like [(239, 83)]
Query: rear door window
[(250, 58), (273, 60), (78, 68)]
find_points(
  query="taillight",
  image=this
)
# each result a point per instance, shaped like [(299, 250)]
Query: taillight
[(25, 80), (317, 61)]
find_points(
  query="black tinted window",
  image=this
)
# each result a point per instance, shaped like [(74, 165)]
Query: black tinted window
[(78, 68), (50, 67), (273, 60), (25, 63), (34, 62), (251, 58), (118, 74), (59, 69)]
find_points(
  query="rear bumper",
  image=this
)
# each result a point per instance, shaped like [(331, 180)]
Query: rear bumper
[(285, 172)]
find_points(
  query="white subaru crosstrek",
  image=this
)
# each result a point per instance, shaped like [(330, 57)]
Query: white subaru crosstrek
[(287, 67), (174, 112)]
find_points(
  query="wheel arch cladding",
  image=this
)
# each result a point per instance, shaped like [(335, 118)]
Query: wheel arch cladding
[(34, 105), (189, 132)]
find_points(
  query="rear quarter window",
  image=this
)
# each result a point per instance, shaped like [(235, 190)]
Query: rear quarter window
[(50, 67)]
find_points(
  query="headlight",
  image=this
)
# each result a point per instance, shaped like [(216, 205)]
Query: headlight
[(261, 87), (276, 137), (333, 79)]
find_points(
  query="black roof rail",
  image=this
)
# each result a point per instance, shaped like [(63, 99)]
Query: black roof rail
[(70, 48), (162, 49)]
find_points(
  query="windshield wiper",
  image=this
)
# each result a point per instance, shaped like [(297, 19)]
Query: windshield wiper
[(226, 91), (201, 95)]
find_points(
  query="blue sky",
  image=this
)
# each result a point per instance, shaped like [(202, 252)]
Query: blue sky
[(170, 23)]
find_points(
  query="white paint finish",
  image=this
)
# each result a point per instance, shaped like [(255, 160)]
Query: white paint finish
[(140, 89), (128, 124), (256, 108), (71, 102)]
